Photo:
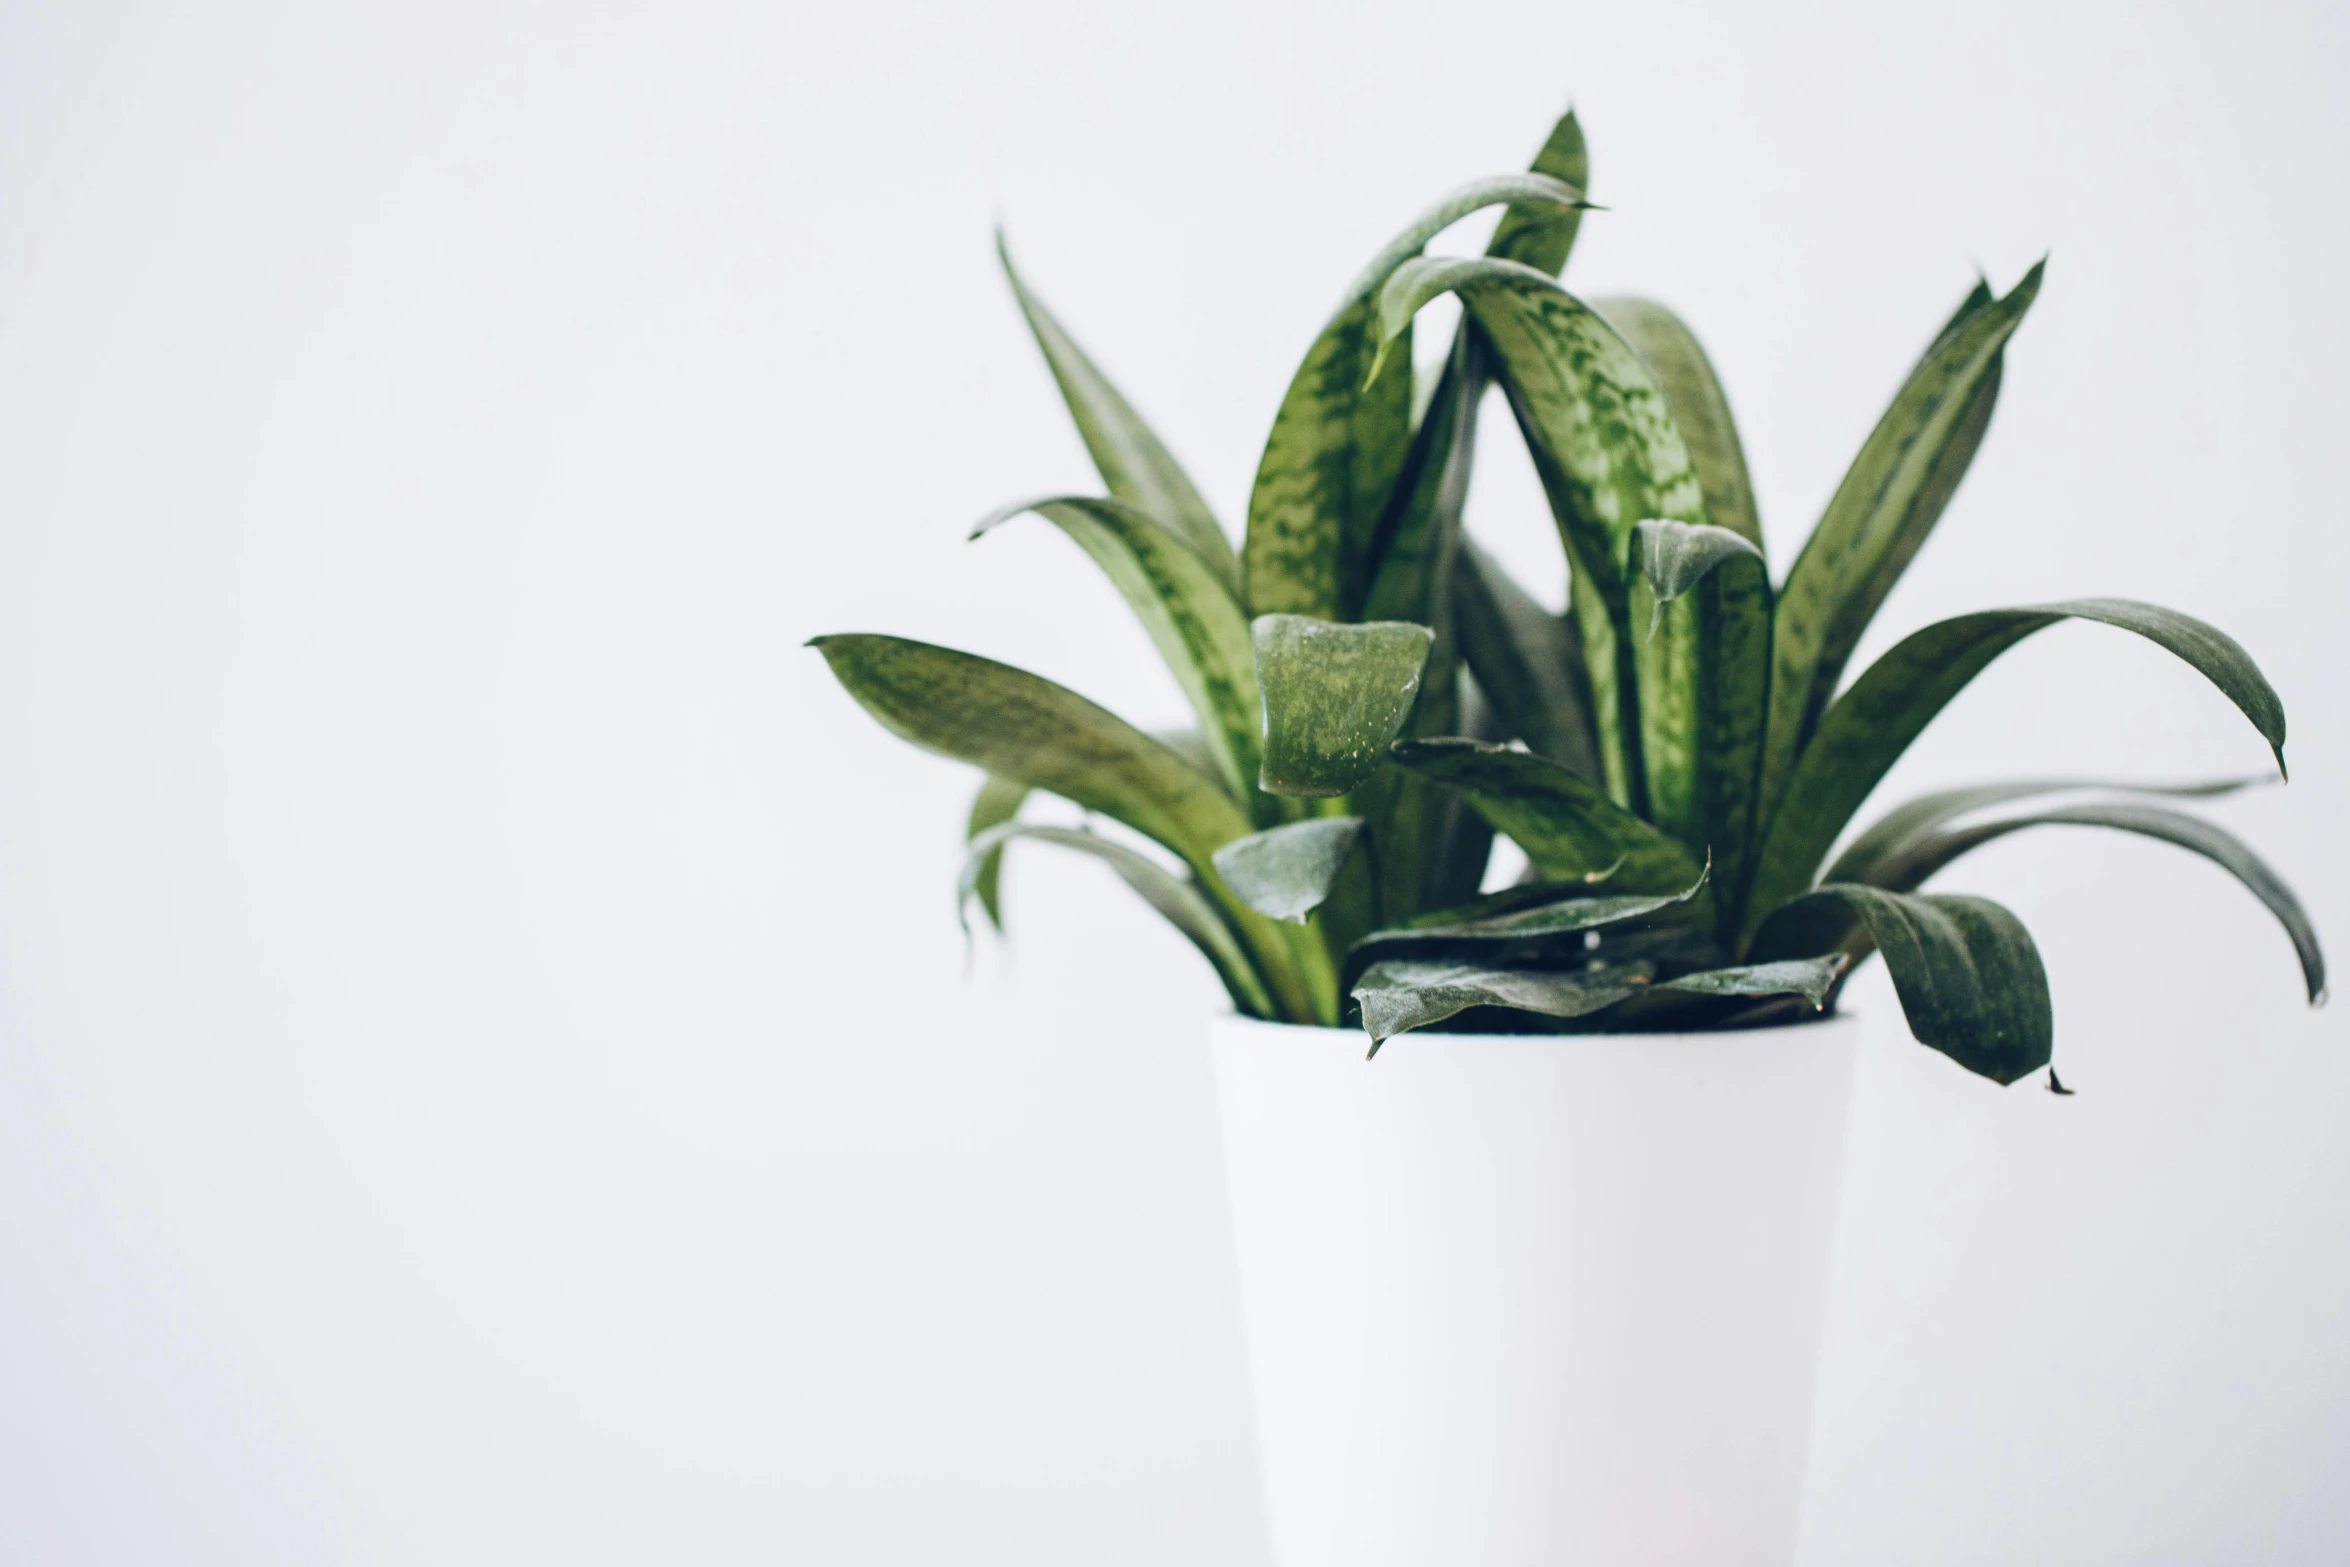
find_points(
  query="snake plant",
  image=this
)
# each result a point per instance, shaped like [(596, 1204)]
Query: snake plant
[(1677, 753)]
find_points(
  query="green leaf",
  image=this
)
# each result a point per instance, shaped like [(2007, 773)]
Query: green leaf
[(1528, 662), (1910, 864), (1889, 501), (1814, 979), (1285, 872), (1134, 466), (1605, 447), (998, 801), (1396, 997), (1335, 696), (1173, 896), (1339, 439), (1183, 602), (1969, 978), (1704, 658), (1541, 235), (1700, 411), (1870, 725), (1021, 726), (1916, 817), (1568, 829)]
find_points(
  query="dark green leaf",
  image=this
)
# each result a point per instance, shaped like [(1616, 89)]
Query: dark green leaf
[(1191, 615), (1396, 997), (1814, 979), (1915, 817), (1286, 871), (1339, 439), (1172, 895), (1919, 857), (1969, 978), (1568, 829), (1134, 466), (1528, 662), (1889, 501), (1541, 236), (1870, 725), (1700, 411), (1335, 696), (998, 801)]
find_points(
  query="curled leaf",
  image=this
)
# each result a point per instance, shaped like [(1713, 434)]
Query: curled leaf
[(1286, 871), (1335, 698)]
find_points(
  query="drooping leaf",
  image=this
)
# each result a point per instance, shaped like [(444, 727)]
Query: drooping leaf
[(1676, 556), (1285, 872), (1908, 865), (1335, 696), (1969, 978), (1022, 726), (1927, 812), (1871, 724), (1528, 662), (1135, 466), (1605, 447), (1173, 896), (1542, 235), (1184, 603), (1568, 829), (1339, 439), (1814, 979), (1396, 997), (998, 801), (1878, 518), (1700, 411)]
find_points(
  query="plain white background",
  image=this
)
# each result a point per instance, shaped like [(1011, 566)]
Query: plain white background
[(488, 1070)]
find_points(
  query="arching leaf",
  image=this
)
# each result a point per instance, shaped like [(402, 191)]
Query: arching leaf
[(998, 801), (1922, 815), (1285, 872), (1397, 997), (1568, 829)]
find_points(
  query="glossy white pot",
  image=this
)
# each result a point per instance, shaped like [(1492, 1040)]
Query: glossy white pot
[(1525, 1301)]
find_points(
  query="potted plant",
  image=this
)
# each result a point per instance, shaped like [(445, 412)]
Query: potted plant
[(1543, 1281)]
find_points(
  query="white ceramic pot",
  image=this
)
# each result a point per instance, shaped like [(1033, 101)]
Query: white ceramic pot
[(1534, 1301)]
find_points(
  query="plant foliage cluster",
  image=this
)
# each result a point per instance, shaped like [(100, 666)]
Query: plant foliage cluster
[(1677, 753)]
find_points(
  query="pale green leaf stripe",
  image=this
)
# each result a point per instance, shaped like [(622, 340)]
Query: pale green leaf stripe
[(1568, 829), (1134, 465), (1880, 515), (1910, 865), (1970, 980), (1914, 818), (1397, 997), (1528, 662), (1174, 897), (1337, 444), (1335, 697), (1869, 726), (1022, 726), (998, 801), (1700, 410), (1605, 447), (1285, 872), (1191, 614)]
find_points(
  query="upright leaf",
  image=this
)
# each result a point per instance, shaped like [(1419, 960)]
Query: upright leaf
[(1889, 501), (1869, 726), (1569, 830), (1970, 980), (998, 801), (1134, 465), (1189, 611), (1340, 436), (1528, 662), (1541, 235), (1335, 696), (1700, 410), (1177, 899)]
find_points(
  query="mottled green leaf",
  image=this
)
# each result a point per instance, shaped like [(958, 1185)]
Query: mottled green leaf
[(1173, 896), (1542, 234), (1528, 662), (1134, 465), (1335, 696), (1878, 518), (1969, 978), (1927, 812), (1700, 411), (1814, 979), (1339, 439), (1908, 865), (1568, 829), (998, 801), (1286, 871), (1191, 615), (1396, 997), (1870, 725)]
